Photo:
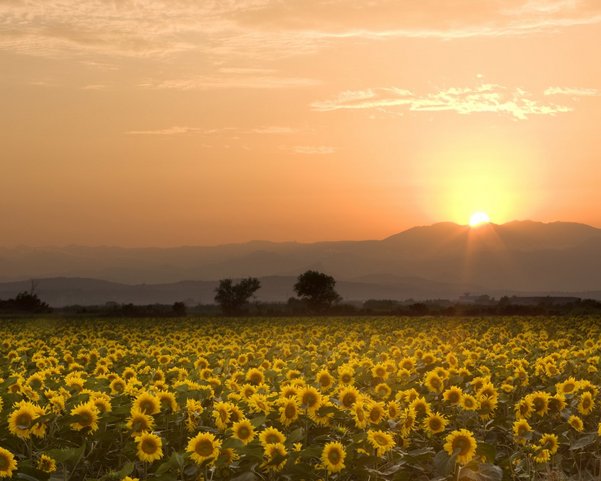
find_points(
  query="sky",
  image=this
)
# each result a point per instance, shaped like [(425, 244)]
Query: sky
[(182, 122)]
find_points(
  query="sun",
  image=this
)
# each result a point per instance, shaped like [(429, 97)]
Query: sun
[(479, 218)]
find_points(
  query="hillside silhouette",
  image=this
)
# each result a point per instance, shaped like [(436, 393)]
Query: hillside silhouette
[(440, 260)]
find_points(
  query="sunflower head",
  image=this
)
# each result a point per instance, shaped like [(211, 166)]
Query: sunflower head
[(244, 431), (7, 463), (150, 447), (332, 457), (46, 464), (204, 447), (462, 443)]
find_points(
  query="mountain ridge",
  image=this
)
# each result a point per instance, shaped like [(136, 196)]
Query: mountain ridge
[(525, 256)]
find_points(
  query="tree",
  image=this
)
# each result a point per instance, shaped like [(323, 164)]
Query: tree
[(317, 290), (233, 298)]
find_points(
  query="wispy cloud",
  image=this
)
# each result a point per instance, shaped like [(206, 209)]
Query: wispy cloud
[(313, 149), (263, 28), (212, 82), (175, 130), (572, 92), (234, 131), (466, 100)]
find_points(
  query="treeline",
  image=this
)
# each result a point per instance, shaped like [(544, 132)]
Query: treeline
[(374, 307)]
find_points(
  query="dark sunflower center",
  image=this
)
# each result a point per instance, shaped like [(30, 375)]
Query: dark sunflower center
[(334, 456), (85, 418), (290, 411), (149, 446), (204, 447), (23, 421)]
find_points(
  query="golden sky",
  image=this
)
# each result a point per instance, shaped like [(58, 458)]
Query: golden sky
[(181, 122)]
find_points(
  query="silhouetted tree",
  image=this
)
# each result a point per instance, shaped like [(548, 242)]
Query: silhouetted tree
[(179, 309), (317, 290), (233, 298), (25, 302)]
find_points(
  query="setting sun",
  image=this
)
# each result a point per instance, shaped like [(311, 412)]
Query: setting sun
[(479, 218)]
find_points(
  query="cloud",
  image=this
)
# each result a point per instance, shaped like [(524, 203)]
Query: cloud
[(313, 149), (175, 130), (235, 131), (274, 129), (212, 82), (467, 100), (573, 92), (265, 29)]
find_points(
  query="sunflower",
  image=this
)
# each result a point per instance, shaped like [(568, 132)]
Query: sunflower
[(435, 423), (576, 423), (221, 414), (567, 387), (488, 405), (87, 417), (259, 403), (117, 386), (271, 435), (324, 413), (7, 463), (244, 431), (255, 376), (375, 412), (346, 375), (524, 408), (46, 464), (540, 402), (549, 441), (543, 456), (586, 403), (167, 400), (381, 441), (359, 415), (463, 443), (393, 409), (204, 447), (332, 457), (378, 371), (288, 410), (309, 398), (147, 404), (469, 402), (139, 422), (383, 390), (407, 421), (325, 380), (434, 382), (453, 395), (348, 396), (521, 430), (420, 406), (557, 403), (21, 420), (275, 457), (150, 447)]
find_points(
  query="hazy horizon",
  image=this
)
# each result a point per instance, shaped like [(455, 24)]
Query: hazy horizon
[(284, 241), (170, 123)]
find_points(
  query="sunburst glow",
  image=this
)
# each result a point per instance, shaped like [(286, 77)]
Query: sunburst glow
[(479, 218)]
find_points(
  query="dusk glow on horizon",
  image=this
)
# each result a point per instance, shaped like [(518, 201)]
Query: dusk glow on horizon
[(171, 122)]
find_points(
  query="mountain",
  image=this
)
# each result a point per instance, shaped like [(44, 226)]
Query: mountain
[(421, 262)]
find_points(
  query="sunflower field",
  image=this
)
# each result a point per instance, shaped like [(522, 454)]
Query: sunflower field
[(300, 399)]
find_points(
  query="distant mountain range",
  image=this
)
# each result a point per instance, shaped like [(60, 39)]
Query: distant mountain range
[(442, 260)]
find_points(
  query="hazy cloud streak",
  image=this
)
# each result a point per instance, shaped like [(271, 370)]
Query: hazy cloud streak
[(484, 98)]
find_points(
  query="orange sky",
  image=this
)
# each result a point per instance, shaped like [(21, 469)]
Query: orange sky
[(174, 122)]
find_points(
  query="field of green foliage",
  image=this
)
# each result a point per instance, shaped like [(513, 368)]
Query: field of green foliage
[(300, 399)]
